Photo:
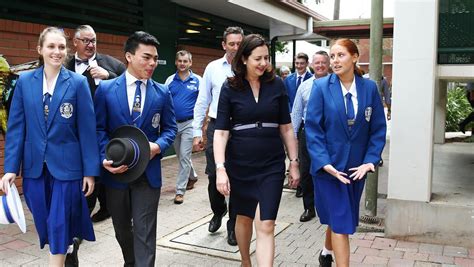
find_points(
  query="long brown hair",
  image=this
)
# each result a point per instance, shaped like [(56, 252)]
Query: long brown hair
[(249, 43), (352, 49)]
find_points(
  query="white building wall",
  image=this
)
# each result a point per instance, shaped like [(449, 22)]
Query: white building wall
[(414, 80)]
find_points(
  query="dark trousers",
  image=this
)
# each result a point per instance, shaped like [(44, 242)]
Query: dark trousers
[(218, 203), (134, 212), (97, 194), (306, 181)]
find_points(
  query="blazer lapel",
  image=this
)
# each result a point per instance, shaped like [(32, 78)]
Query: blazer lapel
[(361, 100), (121, 92), (149, 99), (62, 84), (336, 93), (37, 96)]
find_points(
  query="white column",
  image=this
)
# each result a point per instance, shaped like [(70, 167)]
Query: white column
[(414, 81)]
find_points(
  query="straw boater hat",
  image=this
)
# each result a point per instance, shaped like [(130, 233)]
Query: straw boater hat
[(129, 146), (11, 209)]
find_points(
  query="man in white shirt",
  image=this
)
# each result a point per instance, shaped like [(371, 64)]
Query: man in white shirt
[(320, 65), (214, 76)]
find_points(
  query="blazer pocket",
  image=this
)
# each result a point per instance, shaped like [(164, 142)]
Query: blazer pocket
[(72, 156), (27, 156)]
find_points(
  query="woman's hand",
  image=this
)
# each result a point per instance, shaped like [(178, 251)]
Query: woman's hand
[(88, 184), (294, 175), (341, 176), (7, 179), (108, 166), (222, 182), (361, 171)]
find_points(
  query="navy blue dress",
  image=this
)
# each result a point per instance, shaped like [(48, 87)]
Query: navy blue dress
[(255, 158)]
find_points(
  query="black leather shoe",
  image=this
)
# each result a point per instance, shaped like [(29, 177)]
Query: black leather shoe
[(101, 215), (325, 261), (307, 215), (231, 240), (71, 259), (216, 221), (299, 191)]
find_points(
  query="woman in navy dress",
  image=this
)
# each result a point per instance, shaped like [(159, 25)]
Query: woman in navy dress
[(252, 127), (51, 136), (345, 132)]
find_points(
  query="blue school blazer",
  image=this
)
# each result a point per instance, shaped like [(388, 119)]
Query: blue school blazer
[(328, 137), (157, 122), (66, 142)]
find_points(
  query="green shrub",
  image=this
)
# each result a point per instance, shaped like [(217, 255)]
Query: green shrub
[(457, 109)]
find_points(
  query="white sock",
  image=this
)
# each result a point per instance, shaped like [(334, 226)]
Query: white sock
[(326, 251), (70, 249)]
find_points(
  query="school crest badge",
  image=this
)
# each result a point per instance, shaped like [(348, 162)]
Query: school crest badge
[(368, 113), (155, 121), (66, 110)]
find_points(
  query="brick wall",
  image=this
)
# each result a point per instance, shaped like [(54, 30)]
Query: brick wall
[(18, 41)]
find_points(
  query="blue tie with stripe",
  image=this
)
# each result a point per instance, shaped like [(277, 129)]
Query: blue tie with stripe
[(46, 104), (137, 104), (350, 110)]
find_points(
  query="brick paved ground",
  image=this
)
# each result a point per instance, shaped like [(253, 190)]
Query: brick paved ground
[(297, 245)]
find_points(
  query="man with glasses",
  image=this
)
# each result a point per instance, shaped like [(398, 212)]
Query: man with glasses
[(88, 62), (95, 67)]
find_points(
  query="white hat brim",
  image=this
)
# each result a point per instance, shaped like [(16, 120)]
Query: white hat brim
[(16, 207)]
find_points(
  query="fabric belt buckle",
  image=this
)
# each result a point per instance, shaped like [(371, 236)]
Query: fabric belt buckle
[(258, 125), (350, 122)]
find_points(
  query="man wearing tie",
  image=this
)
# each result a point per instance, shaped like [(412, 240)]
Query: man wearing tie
[(293, 81), (95, 67), (134, 98)]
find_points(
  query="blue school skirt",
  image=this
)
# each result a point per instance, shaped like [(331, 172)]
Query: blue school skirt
[(59, 210)]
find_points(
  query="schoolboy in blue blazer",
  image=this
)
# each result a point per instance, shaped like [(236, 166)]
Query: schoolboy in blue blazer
[(291, 82), (116, 101)]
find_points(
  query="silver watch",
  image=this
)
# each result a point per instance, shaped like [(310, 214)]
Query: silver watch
[(220, 165)]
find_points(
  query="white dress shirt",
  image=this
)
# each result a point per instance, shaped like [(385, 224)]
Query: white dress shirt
[(209, 90), (298, 112), (81, 68), (353, 91), (47, 89), (131, 88)]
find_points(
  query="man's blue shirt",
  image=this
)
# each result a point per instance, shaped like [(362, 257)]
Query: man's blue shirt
[(184, 94)]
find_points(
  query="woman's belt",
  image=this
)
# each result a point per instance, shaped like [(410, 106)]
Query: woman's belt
[(257, 125)]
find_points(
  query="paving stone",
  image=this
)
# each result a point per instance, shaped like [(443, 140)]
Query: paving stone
[(375, 260), (384, 243), (455, 251), (407, 246), (441, 259), (367, 251), (426, 264), (416, 256), (400, 262), (464, 262), (356, 258), (361, 243), (17, 244), (391, 254), (431, 249)]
